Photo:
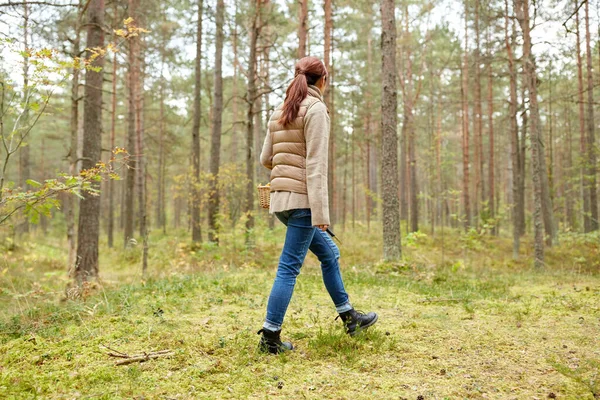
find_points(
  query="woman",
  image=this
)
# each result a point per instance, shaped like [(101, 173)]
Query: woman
[(296, 151)]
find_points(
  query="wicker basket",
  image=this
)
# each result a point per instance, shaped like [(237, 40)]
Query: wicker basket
[(264, 195)]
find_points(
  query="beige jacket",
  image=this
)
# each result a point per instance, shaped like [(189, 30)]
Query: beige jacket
[(297, 156)]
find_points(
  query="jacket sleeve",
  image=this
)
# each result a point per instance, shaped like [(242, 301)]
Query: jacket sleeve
[(316, 134), (266, 155)]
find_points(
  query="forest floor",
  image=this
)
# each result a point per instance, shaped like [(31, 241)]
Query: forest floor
[(469, 324)]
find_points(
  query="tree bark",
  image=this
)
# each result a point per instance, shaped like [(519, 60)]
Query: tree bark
[(89, 214), (235, 100), (389, 169), (24, 150), (585, 194), (131, 130), (303, 28), (113, 121), (141, 157), (408, 134), (522, 11), (71, 201), (591, 135), (478, 135), (371, 138), (329, 101), (161, 220), (251, 96), (215, 148), (465, 126), (491, 163), (195, 192)]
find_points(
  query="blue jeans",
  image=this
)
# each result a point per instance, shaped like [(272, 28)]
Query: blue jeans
[(300, 237)]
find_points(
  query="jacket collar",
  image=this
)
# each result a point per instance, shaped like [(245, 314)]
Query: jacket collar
[(315, 92)]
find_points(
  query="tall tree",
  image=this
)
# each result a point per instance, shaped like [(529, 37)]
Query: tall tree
[(113, 124), (371, 139), (71, 201), (141, 157), (522, 15), (389, 105), (490, 104), (132, 81), (195, 192), (591, 135), (24, 150), (235, 95), (302, 28), (585, 193), (329, 101), (251, 96), (89, 213), (478, 122), (465, 124), (410, 96), (161, 218), (215, 148)]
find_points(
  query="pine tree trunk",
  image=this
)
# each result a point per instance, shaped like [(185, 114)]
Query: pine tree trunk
[(303, 28), (522, 10), (251, 101), (141, 162), (371, 139), (89, 221), (24, 149), (478, 135), (215, 148), (523, 157), (113, 122), (71, 201), (194, 191), (131, 131), (491, 163), (568, 179), (465, 127), (591, 135), (327, 51), (585, 194), (235, 94), (389, 105), (160, 182)]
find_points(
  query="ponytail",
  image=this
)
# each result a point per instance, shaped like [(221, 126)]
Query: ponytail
[(294, 95), (308, 71)]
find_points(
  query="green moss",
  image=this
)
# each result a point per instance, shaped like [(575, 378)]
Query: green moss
[(470, 324)]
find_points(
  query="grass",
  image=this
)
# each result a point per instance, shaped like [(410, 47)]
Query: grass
[(470, 324)]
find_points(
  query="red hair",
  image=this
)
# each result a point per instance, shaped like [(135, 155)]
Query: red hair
[(308, 71)]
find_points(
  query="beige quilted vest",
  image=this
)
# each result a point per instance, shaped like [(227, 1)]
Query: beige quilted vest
[(289, 148)]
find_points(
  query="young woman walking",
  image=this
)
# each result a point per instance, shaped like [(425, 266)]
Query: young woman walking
[(296, 152)]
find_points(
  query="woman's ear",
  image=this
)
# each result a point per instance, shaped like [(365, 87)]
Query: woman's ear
[(321, 83)]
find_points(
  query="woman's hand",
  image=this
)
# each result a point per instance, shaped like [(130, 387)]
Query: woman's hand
[(322, 227)]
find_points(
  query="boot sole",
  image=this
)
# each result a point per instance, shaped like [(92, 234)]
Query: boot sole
[(364, 327)]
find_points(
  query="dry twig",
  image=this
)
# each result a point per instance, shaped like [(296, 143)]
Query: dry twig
[(129, 359)]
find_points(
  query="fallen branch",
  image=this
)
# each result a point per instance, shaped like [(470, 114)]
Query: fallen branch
[(130, 359)]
